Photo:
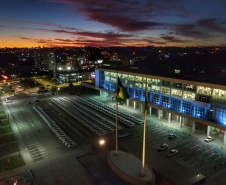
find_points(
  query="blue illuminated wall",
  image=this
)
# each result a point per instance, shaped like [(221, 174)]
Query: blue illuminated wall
[(97, 78), (220, 115)]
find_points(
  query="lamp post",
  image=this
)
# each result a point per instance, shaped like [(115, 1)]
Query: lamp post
[(57, 91)]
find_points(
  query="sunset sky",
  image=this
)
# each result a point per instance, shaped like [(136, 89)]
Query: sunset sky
[(57, 23)]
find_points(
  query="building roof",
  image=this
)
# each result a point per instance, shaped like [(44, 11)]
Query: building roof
[(217, 80)]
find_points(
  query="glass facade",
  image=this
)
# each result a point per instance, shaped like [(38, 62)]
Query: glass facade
[(197, 101)]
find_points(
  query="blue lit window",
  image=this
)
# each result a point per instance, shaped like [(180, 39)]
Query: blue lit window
[(155, 99), (175, 104)]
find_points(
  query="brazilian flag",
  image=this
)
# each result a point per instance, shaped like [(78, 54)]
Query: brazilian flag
[(121, 93)]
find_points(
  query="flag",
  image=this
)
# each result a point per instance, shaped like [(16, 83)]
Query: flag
[(121, 95)]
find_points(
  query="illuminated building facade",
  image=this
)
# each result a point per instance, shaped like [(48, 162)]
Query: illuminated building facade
[(198, 105), (45, 60)]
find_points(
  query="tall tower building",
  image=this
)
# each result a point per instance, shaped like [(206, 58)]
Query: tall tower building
[(45, 61)]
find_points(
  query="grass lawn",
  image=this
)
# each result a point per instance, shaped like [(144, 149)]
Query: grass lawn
[(4, 122), (7, 139), (8, 149), (3, 116), (11, 163), (5, 130)]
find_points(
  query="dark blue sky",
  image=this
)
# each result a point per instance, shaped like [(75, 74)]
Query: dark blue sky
[(27, 23)]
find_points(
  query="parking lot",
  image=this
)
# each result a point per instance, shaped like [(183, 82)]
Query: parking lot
[(193, 154), (82, 118)]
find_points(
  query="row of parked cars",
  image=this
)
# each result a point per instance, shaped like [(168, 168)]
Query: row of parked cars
[(165, 146), (73, 111), (174, 152), (55, 128)]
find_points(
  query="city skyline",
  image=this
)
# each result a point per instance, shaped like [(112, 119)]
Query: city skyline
[(59, 23)]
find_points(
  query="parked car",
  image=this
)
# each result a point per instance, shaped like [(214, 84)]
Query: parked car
[(172, 153), (171, 136), (8, 100), (162, 147), (209, 139)]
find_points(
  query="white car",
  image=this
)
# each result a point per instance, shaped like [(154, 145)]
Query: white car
[(171, 136), (209, 139), (172, 153), (8, 100), (162, 147)]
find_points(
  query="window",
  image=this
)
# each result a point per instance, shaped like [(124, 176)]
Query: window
[(187, 108), (131, 92), (165, 101), (166, 83), (188, 95), (138, 85), (124, 76), (114, 74), (176, 93), (200, 112), (155, 99), (203, 98), (175, 104), (165, 90), (107, 73), (155, 88), (219, 92), (138, 79), (155, 81), (131, 77), (190, 87), (113, 80), (177, 85), (204, 91), (107, 78)]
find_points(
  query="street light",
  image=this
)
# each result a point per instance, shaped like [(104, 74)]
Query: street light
[(102, 142), (58, 88)]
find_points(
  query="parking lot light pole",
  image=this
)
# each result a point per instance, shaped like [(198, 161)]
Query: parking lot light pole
[(57, 91)]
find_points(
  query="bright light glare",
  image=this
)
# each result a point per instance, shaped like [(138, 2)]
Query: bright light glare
[(101, 142)]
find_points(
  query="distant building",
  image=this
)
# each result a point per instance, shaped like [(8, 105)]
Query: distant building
[(45, 60), (75, 76)]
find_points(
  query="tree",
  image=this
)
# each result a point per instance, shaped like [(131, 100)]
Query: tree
[(71, 85)]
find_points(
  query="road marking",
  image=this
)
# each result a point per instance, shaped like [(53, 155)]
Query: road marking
[(210, 155), (199, 168), (218, 157), (181, 158), (193, 165)]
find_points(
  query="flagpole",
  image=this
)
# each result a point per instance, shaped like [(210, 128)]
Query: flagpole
[(142, 172), (116, 123), (116, 130)]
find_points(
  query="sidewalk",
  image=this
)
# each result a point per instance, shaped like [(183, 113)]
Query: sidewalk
[(22, 148)]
